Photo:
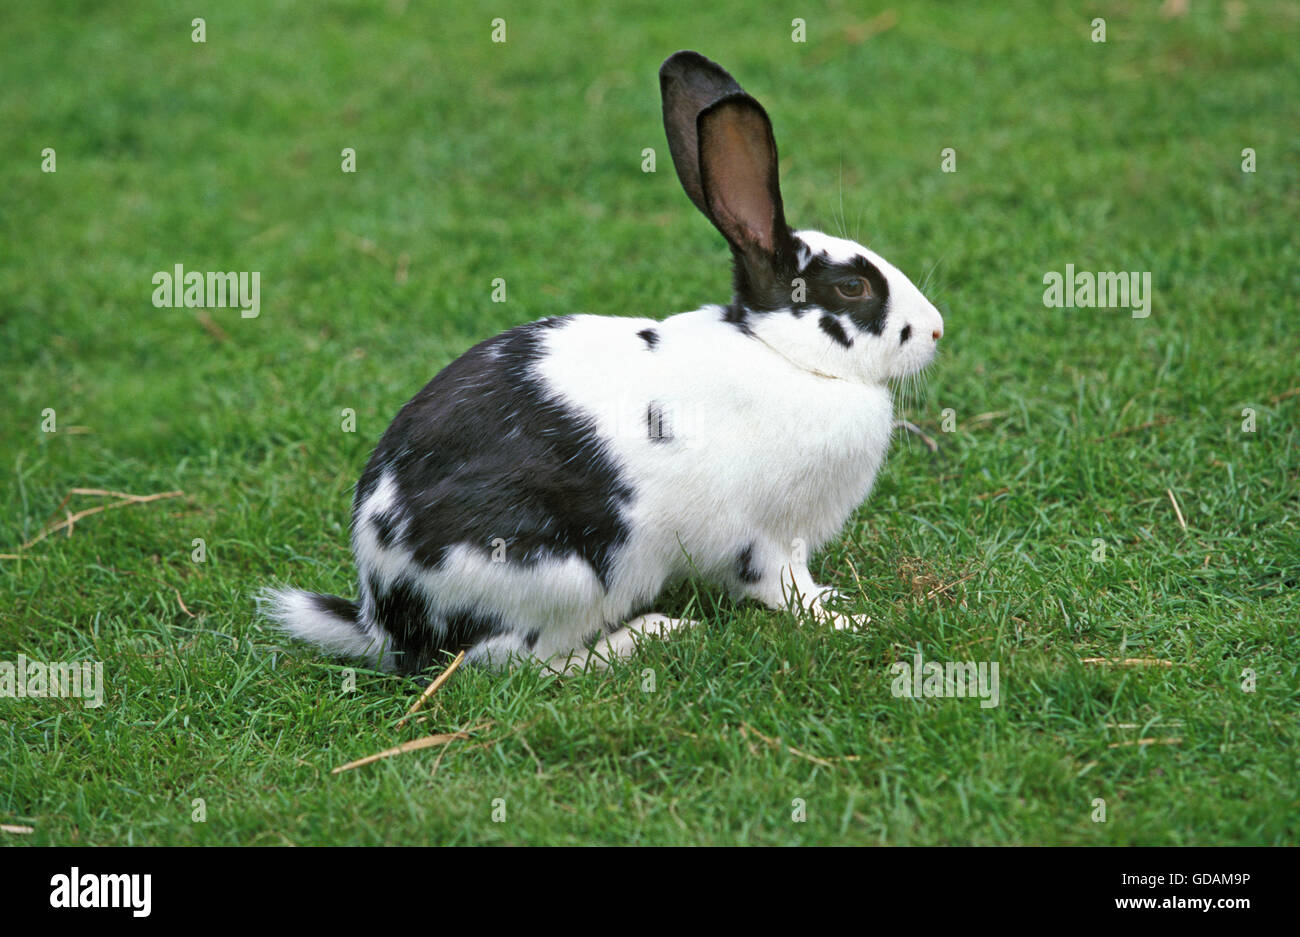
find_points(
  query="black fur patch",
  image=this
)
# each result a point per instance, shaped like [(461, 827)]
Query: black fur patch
[(465, 629), (745, 570), (482, 451), (739, 317), (385, 528), (530, 639), (650, 337), (402, 612), (904, 335), (831, 326), (345, 609)]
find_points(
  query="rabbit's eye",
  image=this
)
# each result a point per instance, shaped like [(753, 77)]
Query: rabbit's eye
[(856, 288)]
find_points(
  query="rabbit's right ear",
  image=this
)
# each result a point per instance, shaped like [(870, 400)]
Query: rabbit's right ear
[(738, 174)]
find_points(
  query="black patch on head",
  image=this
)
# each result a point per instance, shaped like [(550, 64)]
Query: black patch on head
[(657, 428), (821, 275), (905, 334), (650, 337), (745, 570), (831, 326), (484, 451)]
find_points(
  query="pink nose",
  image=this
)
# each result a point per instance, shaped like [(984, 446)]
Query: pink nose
[(937, 333)]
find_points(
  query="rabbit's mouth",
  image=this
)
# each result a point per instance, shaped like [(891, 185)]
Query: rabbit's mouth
[(915, 365)]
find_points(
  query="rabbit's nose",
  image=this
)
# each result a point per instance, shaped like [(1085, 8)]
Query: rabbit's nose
[(937, 333)]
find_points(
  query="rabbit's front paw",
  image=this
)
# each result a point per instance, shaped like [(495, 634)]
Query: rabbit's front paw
[(838, 620)]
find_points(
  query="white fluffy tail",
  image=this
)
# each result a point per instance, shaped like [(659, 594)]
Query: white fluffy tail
[(327, 621)]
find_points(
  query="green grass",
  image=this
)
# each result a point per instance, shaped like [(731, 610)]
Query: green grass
[(478, 160)]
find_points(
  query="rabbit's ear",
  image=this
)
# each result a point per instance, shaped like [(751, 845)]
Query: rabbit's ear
[(738, 174), (690, 83)]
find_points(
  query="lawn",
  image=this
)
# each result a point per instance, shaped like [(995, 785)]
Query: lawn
[(1111, 512)]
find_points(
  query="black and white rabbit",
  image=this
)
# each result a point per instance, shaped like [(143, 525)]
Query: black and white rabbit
[(546, 485)]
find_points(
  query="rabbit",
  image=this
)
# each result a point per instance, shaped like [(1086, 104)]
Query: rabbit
[(533, 500)]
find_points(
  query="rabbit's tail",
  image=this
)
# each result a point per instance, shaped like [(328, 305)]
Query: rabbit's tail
[(331, 623)]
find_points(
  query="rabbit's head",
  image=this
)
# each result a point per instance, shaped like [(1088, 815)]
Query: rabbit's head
[(830, 304)]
